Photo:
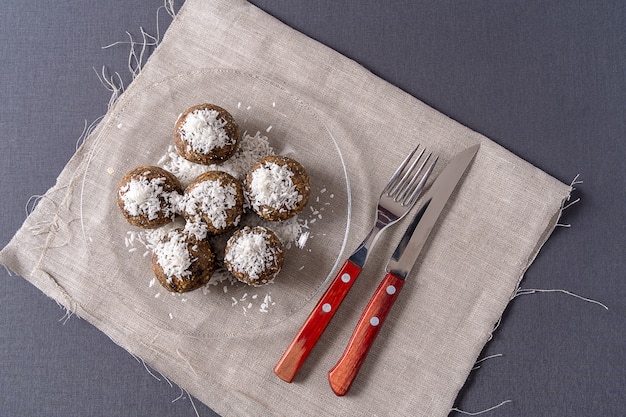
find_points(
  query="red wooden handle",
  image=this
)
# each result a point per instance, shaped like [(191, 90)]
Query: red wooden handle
[(345, 371), (293, 358)]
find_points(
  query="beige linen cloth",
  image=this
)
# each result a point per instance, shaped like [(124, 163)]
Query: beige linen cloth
[(350, 129)]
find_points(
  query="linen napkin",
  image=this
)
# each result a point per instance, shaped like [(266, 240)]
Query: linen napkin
[(350, 130)]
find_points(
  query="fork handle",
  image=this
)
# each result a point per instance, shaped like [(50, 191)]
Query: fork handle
[(293, 358), (345, 371)]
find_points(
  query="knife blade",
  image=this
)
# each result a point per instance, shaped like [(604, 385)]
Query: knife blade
[(342, 375)]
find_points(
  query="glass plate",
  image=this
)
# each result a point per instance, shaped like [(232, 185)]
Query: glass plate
[(141, 128)]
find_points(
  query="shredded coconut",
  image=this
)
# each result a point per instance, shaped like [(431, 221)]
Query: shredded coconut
[(173, 255), (251, 149), (302, 240), (251, 253), (211, 199), (267, 302), (203, 131), (196, 227), (146, 197), (273, 186), (288, 231)]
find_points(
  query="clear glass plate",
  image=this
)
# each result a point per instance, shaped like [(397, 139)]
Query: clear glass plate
[(141, 129)]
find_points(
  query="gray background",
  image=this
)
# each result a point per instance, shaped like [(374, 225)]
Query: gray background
[(544, 79)]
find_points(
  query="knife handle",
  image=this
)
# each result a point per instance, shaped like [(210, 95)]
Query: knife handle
[(302, 344), (345, 371)]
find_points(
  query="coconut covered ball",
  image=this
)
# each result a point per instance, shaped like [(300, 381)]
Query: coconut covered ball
[(148, 197), (181, 262), (254, 255), (277, 187), (213, 203), (206, 134)]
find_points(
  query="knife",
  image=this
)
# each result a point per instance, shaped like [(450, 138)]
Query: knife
[(398, 268)]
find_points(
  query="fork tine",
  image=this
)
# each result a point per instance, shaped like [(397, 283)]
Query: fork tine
[(418, 189), (412, 179), (394, 178), (401, 183)]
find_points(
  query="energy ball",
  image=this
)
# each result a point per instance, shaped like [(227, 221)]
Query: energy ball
[(213, 201), (254, 255), (206, 134), (277, 187), (148, 197), (181, 262)]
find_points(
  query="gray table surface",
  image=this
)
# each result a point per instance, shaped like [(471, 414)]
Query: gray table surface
[(544, 79)]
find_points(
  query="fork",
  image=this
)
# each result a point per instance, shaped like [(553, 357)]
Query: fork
[(396, 200)]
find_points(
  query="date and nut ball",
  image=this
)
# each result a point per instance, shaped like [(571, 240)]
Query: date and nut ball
[(214, 200), (254, 255), (277, 187), (181, 262), (206, 134), (148, 196)]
